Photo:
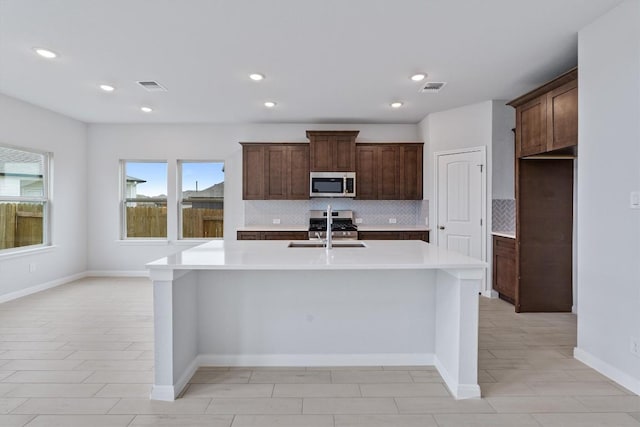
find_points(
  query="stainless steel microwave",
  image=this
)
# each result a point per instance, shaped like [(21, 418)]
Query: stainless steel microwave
[(332, 184)]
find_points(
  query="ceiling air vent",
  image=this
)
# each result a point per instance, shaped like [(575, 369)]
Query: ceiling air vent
[(432, 87), (152, 86)]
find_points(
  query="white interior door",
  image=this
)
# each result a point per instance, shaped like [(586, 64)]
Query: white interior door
[(460, 188)]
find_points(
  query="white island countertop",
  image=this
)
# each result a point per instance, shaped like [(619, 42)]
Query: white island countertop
[(276, 255)]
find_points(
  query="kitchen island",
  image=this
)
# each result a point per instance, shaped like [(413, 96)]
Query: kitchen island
[(263, 303)]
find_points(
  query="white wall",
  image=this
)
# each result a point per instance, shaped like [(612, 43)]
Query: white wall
[(26, 126), (503, 151), (110, 143), (608, 230), (464, 127)]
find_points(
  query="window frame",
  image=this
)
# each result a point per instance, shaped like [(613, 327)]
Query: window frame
[(124, 199), (45, 199), (180, 200)]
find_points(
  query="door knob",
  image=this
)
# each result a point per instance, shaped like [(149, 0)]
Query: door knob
[(441, 227)]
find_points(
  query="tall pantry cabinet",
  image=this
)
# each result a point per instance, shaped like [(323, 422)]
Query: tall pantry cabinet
[(546, 148)]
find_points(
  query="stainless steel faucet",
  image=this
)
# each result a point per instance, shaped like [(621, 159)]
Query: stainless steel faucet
[(329, 243)]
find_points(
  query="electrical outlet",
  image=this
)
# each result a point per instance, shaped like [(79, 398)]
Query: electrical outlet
[(358, 220), (635, 346), (392, 221), (276, 220), (32, 267)]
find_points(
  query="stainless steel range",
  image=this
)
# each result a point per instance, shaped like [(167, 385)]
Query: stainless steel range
[(342, 227)]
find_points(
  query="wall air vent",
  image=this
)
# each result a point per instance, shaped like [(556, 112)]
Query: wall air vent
[(432, 87), (152, 86)]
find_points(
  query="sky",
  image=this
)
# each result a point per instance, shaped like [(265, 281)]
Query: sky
[(155, 174)]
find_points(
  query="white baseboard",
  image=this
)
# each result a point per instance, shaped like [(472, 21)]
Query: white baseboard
[(117, 273), (168, 392), (459, 391), (163, 392), (611, 372), (41, 287), (490, 293), (392, 359)]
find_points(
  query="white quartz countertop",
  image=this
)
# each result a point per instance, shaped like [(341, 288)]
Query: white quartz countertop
[(361, 227), (274, 227), (507, 234), (392, 227), (276, 255)]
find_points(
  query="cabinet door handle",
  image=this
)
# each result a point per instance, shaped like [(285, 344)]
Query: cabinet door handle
[(441, 227)]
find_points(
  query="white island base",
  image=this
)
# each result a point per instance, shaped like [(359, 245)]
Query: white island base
[(264, 304)]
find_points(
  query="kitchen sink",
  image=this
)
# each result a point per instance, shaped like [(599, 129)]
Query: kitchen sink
[(335, 245)]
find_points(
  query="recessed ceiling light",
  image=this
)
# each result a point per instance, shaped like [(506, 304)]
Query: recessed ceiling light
[(256, 76), (107, 88), (269, 104), (146, 109), (45, 53), (396, 104), (418, 77)]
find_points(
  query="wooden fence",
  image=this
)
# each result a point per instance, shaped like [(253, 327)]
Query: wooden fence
[(200, 222), (151, 221), (20, 225)]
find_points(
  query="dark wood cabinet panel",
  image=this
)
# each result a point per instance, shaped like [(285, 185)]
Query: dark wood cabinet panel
[(275, 171), (285, 235), (544, 229), (332, 151), (411, 171), (504, 267), (416, 235), (380, 235), (547, 117), (562, 117), (272, 235), (394, 235), (249, 235), (366, 172), (531, 127), (298, 173), (389, 171), (253, 171)]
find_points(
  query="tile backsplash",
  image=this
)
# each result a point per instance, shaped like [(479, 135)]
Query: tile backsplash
[(372, 212), (503, 215)]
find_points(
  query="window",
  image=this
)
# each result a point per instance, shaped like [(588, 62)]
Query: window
[(144, 189), (24, 198), (201, 199)]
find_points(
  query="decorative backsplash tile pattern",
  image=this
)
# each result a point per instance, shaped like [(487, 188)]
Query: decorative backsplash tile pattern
[(372, 212), (503, 215)]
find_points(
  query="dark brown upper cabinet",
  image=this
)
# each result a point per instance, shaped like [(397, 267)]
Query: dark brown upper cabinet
[(547, 117), (389, 171), (275, 171), (332, 151)]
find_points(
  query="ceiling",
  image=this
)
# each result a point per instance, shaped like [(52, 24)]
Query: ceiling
[(329, 61)]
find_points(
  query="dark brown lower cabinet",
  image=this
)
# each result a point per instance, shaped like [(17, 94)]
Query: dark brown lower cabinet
[(504, 267), (394, 235), (544, 231), (273, 235)]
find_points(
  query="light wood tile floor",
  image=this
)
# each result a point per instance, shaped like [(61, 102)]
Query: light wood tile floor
[(81, 355)]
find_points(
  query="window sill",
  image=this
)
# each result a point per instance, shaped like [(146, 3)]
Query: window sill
[(192, 242), (19, 252), (143, 242)]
